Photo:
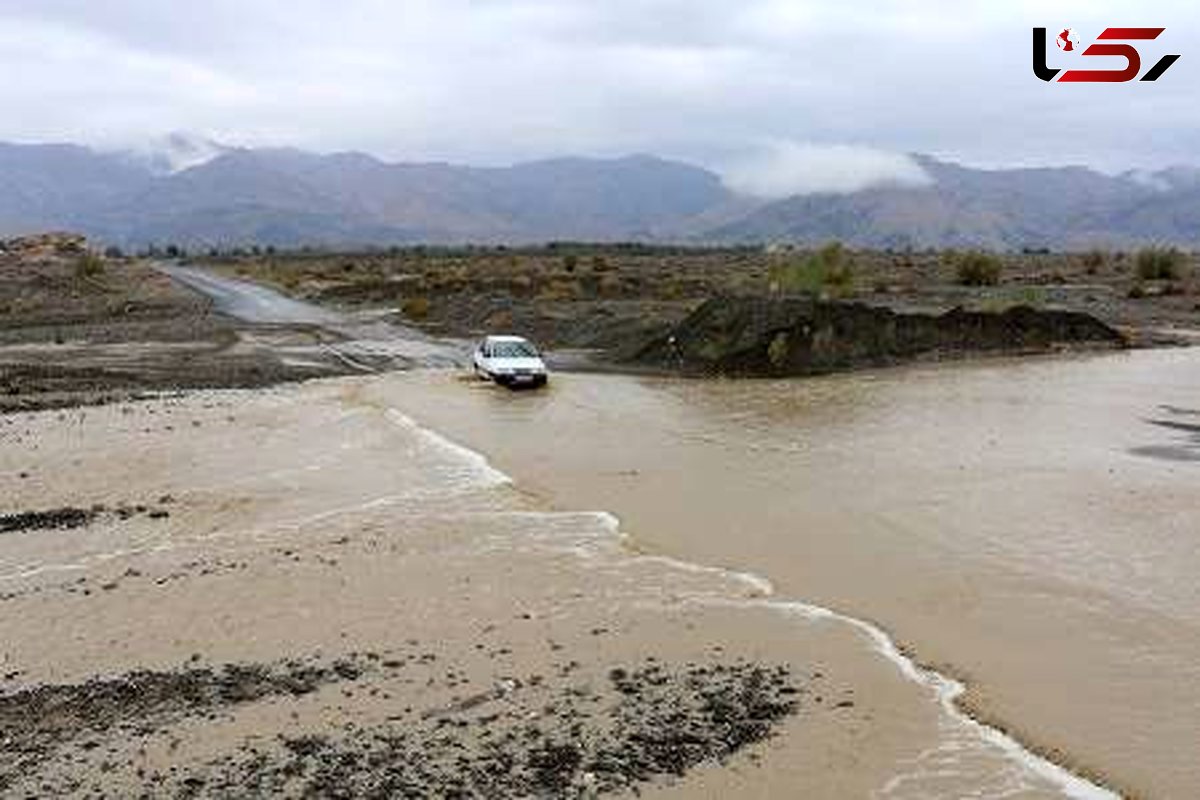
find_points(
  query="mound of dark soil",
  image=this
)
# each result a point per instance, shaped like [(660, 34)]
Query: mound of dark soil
[(800, 335)]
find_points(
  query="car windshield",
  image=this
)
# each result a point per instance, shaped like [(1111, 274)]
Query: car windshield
[(513, 350)]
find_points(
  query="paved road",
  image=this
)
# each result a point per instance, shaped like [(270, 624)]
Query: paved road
[(361, 340)]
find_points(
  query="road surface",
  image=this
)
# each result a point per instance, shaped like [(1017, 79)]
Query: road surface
[(361, 340)]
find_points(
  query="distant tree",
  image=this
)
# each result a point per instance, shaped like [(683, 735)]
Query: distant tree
[(112, 251)]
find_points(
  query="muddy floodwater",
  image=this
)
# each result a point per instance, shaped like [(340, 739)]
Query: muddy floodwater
[(419, 584), (1029, 527)]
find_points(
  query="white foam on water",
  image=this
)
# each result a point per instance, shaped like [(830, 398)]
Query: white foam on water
[(945, 689), (472, 465), (760, 592)]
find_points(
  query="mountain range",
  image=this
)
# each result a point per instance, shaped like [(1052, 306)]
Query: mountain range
[(198, 193)]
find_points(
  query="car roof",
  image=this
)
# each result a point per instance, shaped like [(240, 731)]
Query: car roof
[(506, 339)]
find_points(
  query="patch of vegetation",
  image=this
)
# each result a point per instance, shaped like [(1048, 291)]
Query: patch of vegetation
[(415, 307), (89, 265), (1160, 263), (976, 268), (1094, 261), (777, 350), (827, 272)]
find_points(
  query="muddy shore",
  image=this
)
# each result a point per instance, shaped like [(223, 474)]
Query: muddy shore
[(77, 328)]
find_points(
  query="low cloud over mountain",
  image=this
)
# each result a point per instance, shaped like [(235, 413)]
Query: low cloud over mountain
[(199, 193)]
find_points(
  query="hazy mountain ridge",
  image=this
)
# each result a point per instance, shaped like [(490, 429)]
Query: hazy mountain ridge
[(1060, 207), (197, 192)]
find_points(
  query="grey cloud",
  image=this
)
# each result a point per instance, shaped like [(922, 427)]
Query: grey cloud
[(500, 80)]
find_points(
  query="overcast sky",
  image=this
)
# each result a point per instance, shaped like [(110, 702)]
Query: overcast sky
[(783, 91)]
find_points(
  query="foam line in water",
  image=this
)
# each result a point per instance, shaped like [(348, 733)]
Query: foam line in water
[(949, 690), (476, 463), (946, 689)]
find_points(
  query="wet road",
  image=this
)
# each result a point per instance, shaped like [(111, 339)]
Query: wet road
[(250, 302), (361, 340)]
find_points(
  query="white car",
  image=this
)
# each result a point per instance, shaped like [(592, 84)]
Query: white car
[(510, 361)]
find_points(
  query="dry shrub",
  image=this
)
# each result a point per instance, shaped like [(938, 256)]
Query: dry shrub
[(1160, 263), (415, 307), (976, 268), (560, 290)]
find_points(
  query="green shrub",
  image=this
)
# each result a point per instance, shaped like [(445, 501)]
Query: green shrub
[(1032, 296), (826, 271), (1159, 263), (975, 268)]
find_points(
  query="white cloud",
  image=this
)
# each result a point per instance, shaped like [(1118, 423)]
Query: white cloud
[(782, 169)]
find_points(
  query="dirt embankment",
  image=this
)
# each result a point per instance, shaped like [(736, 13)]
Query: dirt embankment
[(801, 335), (77, 327)]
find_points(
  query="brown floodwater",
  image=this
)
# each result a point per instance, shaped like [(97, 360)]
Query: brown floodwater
[(314, 523), (1027, 527)]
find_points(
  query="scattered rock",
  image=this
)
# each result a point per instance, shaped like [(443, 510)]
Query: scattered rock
[(55, 519)]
